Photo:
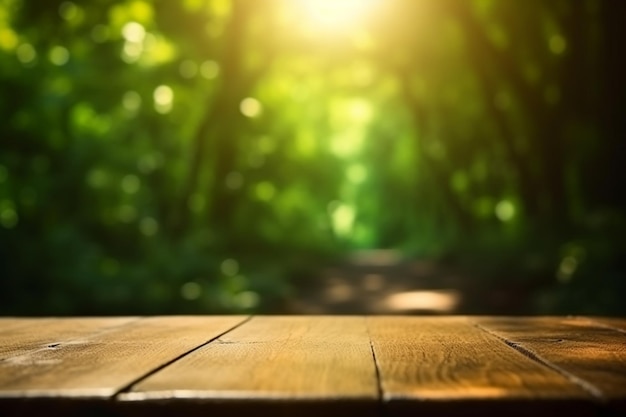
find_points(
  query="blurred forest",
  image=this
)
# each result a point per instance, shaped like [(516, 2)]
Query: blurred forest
[(210, 156)]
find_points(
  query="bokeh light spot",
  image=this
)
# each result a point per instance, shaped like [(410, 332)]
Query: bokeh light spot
[(343, 216), (251, 107), (134, 32), (127, 213), (97, 178), (234, 180), (26, 54), (191, 291), (8, 39), (68, 10), (131, 101), (163, 99), (188, 69), (148, 226), (132, 52), (8, 214), (266, 144), (247, 300), (360, 111), (130, 184), (229, 267), (196, 202), (100, 33), (567, 267), (557, 44), (209, 70), (265, 191), (59, 55), (149, 162), (505, 211), (357, 173), (459, 181)]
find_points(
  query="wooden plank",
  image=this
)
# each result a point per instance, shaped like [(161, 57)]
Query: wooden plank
[(593, 355), (274, 365), (101, 364), (19, 336), (312, 365), (616, 323), (447, 366)]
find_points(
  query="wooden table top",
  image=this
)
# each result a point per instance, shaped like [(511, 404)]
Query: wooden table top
[(306, 365)]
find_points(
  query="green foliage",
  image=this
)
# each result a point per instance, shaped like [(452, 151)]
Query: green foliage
[(198, 156)]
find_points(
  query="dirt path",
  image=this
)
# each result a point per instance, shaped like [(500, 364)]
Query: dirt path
[(381, 282)]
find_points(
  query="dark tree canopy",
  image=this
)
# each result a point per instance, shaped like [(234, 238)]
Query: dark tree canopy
[(162, 156)]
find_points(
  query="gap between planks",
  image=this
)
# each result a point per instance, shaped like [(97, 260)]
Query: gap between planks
[(588, 387), (277, 359), (380, 389), (494, 334), (148, 374), (75, 358), (379, 382)]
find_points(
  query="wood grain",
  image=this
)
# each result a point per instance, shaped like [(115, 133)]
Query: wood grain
[(593, 355), (440, 365), (280, 360), (19, 336), (330, 365), (102, 363), (616, 323)]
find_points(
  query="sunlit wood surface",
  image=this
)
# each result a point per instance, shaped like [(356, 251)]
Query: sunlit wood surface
[(312, 365)]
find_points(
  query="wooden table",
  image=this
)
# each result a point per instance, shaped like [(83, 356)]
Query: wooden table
[(312, 365)]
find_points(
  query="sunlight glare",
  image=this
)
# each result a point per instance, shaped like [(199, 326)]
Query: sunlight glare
[(441, 301), (336, 14)]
